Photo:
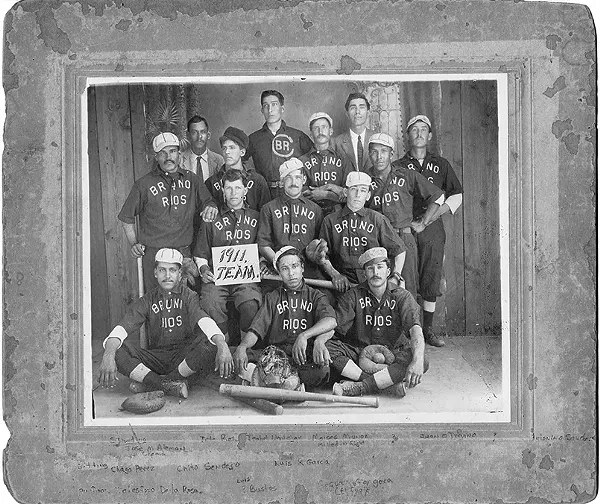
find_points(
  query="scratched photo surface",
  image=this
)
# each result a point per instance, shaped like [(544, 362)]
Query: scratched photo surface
[(507, 411), (468, 379)]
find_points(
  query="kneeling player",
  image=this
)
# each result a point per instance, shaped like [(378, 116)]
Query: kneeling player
[(172, 312), (372, 313), (296, 318), (236, 225)]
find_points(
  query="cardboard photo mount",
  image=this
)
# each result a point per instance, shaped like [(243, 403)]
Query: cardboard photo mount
[(546, 451)]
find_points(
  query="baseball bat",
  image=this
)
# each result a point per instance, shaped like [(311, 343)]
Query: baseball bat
[(293, 395), (315, 282), (140, 270), (258, 404)]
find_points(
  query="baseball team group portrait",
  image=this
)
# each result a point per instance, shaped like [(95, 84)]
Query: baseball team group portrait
[(297, 249)]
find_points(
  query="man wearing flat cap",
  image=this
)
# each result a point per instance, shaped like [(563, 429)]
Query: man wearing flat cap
[(430, 233), (275, 142), (352, 230), (393, 192), (165, 202), (326, 172), (294, 317), (373, 316), (182, 338), (290, 219), (234, 144)]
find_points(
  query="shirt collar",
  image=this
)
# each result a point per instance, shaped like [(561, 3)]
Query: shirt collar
[(346, 211), (354, 136), (286, 199), (175, 290), (302, 288), (281, 128)]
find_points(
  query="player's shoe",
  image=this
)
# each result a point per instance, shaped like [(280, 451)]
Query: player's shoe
[(350, 388), (176, 388), (137, 387), (431, 338)]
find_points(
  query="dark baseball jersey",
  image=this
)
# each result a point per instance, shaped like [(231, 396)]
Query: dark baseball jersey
[(171, 316), (287, 221), (258, 190), (348, 234), (325, 167), (364, 320), (394, 196), (166, 205), (269, 150), (285, 313), (438, 171), (231, 227)]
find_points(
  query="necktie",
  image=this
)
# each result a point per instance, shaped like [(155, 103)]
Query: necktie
[(359, 153), (199, 169)]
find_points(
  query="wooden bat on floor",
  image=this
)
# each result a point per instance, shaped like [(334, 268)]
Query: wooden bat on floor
[(140, 269), (293, 395), (258, 404)]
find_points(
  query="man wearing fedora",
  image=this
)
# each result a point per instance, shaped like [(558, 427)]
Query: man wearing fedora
[(429, 229), (165, 201), (377, 313)]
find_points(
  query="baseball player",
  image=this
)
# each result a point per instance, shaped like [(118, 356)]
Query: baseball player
[(275, 142), (353, 229), (352, 144), (175, 349), (165, 202), (198, 158), (325, 171), (236, 225), (234, 144), (294, 317), (393, 191), (290, 219), (372, 313), (431, 236)]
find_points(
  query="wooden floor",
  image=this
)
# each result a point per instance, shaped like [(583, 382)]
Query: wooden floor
[(464, 378)]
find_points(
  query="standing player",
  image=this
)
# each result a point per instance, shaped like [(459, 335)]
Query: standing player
[(431, 236), (234, 144), (236, 225), (350, 231), (173, 314), (199, 159), (393, 192), (325, 171), (352, 144), (165, 201), (275, 142), (373, 314), (296, 318), (290, 219)]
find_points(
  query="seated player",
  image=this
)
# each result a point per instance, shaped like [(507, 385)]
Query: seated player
[(290, 219), (234, 144), (353, 229), (296, 318), (374, 314), (172, 312), (236, 225)]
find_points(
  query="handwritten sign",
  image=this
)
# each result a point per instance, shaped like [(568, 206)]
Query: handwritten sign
[(236, 264)]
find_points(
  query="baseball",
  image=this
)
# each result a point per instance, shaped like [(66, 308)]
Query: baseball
[(378, 358)]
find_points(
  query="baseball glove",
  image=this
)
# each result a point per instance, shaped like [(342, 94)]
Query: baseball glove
[(146, 402), (374, 358), (189, 271), (275, 370), (316, 250)]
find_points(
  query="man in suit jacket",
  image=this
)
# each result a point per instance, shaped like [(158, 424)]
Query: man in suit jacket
[(347, 144), (198, 155)]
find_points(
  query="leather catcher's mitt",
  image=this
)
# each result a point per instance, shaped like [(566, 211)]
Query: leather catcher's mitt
[(374, 358), (316, 250), (275, 370)]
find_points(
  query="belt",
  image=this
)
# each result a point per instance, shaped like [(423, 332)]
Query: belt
[(404, 230)]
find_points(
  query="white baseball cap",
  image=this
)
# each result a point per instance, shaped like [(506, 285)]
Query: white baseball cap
[(169, 255), (289, 166), (358, 178), (280, 252), (383, 139), (379, 253), (163, 140), (416, 118), (320, 115)]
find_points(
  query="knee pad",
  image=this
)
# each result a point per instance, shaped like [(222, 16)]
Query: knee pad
[(247, 311)]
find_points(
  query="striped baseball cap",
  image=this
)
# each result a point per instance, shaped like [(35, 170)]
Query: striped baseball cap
[(169, 255)]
